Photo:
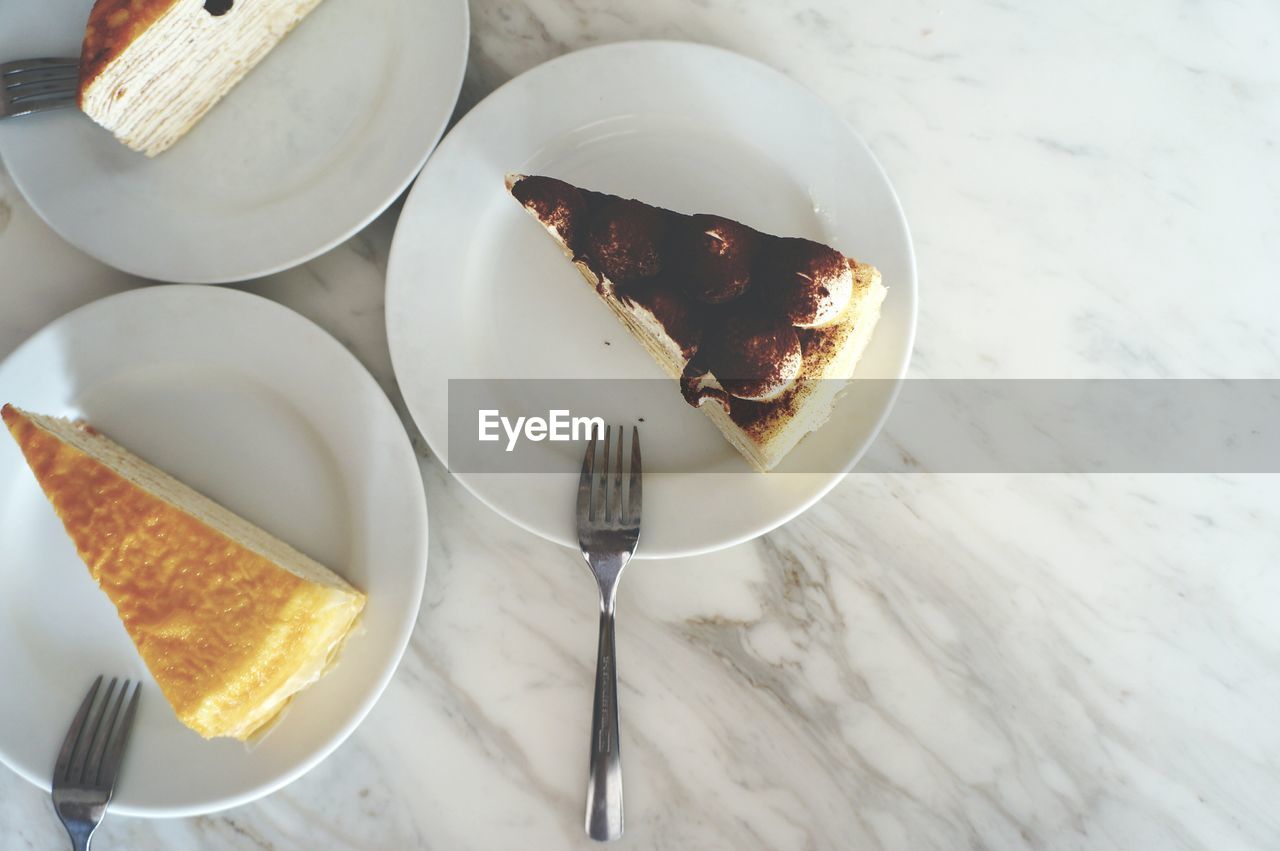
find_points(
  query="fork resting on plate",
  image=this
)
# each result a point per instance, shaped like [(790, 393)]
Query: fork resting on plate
[(37, 85), (84, 777), (608, 530)]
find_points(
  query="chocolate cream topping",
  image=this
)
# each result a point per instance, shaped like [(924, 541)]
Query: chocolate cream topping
[(738, 302), (718, 254), (557, 205), (806, 281), (625, 240)]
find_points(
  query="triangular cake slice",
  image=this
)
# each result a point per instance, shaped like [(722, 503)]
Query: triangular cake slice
[(150, 69), (231, 622), (762, 331)]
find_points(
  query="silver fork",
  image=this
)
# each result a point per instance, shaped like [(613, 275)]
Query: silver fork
[(85, 775), (36, 85), (608, 530)]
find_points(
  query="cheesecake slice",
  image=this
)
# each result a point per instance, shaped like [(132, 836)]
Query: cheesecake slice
[(763, 332), (231, 622), (150, 69)]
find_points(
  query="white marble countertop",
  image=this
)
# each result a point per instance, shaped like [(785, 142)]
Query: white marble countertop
[(918, 662)]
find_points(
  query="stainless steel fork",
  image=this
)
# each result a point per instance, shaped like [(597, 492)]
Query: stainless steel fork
[(85, 775), (36, 85), (608, 530)]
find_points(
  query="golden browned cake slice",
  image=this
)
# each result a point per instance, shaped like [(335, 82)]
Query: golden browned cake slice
[(150, 69), (231, 622), (762, 331)]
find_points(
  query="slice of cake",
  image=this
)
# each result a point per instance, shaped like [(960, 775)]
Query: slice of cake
[(231, 622), (150, 69), (762, 331)]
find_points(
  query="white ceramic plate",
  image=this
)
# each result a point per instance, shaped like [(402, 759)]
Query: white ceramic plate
[(476, 289), (309, 147), (260, 409)]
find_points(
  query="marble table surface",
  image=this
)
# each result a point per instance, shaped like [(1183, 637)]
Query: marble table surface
[(920, 661)]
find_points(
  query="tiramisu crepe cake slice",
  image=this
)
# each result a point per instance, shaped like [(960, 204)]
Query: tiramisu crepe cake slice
[(231, 622), (762, 331), (150, 69)]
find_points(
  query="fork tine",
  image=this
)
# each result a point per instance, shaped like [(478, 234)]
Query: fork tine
[(615, 497), (21, 83), (19, 66), (634, 487), (584, 482), (51, 88), (27, 76), (599, 503), (93, 766), (35, 105), (119, 738), (73, 733), (93, 730)]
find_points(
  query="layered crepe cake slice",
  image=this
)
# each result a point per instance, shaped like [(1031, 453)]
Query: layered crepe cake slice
[(763, 332), (150, 69), (231, 622)]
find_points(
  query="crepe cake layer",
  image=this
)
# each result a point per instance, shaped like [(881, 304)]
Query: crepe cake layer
[(231, 622), (763, 332), (150, 69)]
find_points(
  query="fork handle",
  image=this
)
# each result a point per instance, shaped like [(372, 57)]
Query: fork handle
[(604, 786), (80, 835)]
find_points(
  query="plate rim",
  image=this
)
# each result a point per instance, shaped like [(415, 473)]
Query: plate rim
[(126, 266), (421, 540), (901, 368)]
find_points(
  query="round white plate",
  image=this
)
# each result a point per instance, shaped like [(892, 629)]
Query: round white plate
[(476, 289), (255, 406), (309, 147)]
